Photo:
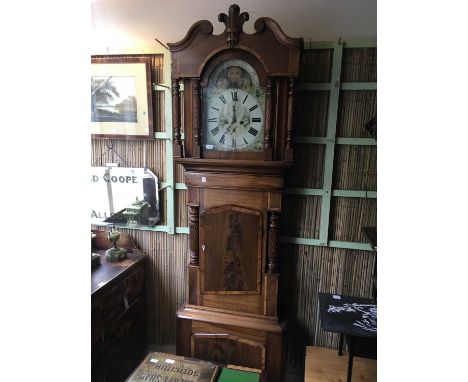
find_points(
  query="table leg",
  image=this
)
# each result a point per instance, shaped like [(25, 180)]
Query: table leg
[(340, 347), (350, 360)]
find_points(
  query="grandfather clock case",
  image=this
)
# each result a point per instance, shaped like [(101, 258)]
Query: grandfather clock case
[(237, 112)]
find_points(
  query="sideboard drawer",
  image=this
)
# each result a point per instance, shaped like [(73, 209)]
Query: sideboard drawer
[(113, 303), (96, 327), (134, 284)]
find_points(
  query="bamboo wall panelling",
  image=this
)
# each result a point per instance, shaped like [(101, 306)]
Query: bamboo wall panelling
[(307, 169), (167, 263), (349, 215), (359, 65), (330, 146), (316, 65), (352, 117), (350, 171), (355, 168), (179, 173), (159, 95), (288, 301), (312, 106), (357, 107), (301, 217), (163, 209), (159, 104), (133, 154), (181, 215), (311, 113)]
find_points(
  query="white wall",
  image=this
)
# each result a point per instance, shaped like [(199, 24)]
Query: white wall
[(132, 25)]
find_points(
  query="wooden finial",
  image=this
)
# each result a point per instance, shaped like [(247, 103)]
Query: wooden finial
[(233, 23)]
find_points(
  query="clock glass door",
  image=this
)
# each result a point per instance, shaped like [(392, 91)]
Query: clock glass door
[(233, 109)]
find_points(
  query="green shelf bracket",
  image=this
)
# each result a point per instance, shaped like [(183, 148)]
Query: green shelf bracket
[(299, 240), (355, 194), (324, 86), (356, 141), (331, 243), (330, 142), (358, 86), (371, 43), (339, 193), (310, 140), (304, 191), (170, 189), (180, 186), (184, 230), (338, 141)]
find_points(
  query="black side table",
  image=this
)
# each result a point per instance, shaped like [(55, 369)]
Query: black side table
[(353, 317)]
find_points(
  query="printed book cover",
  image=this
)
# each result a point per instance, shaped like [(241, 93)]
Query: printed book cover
[(162, 367), (238, 374)]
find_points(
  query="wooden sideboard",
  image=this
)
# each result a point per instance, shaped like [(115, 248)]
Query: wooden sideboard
[(117, 314)]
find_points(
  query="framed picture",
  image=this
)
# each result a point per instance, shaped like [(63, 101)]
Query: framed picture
[(121, 98)]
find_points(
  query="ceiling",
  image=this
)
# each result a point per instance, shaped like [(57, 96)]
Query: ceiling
[(124, 24)]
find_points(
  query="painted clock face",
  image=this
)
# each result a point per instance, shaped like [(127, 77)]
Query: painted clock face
[(233, 109)]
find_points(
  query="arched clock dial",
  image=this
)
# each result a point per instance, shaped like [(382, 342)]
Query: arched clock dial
[(234, 120), (233, 109)]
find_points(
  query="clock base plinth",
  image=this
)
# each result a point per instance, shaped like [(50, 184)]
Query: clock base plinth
[(228, 337)]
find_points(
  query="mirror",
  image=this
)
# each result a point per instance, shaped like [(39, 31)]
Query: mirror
[(124, 196)]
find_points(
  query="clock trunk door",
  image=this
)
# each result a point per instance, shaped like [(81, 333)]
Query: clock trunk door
[(230, 250)]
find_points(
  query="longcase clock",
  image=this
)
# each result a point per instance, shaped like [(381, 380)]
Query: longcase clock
[(238, 116)]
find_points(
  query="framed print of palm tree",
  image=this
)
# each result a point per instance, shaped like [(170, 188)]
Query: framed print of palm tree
[(121, 98)]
